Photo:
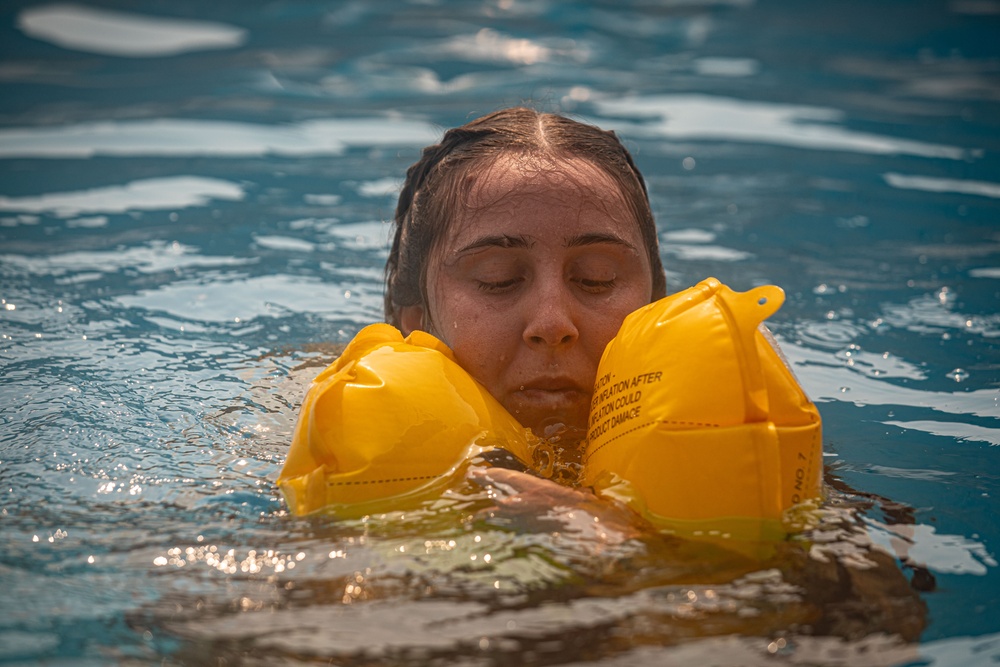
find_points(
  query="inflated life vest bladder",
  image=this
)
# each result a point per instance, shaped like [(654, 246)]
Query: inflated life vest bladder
[(696, 421), (390, 418)]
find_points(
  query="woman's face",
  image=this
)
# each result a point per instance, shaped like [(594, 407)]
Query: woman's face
[(530, 283)]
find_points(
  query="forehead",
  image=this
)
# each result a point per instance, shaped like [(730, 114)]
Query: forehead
[(529, 194), (514, 177)]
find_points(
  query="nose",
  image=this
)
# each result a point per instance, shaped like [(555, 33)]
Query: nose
[(550, 319)]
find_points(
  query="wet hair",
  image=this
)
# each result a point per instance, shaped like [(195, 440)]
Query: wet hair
[(434, 186)]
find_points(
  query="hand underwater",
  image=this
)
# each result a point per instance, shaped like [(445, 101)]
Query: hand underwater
[(540, 504)]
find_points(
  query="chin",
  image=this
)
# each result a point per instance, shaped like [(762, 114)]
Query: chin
[(568, 423)]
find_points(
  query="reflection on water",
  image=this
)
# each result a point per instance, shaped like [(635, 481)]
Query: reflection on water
[(191, 226), (701, 117), (174, 137), (152, 194), (448, 583), (83, 28), (929, 184)]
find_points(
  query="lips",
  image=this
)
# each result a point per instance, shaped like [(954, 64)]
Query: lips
[(547, 400), (551, 384), (555, 398)]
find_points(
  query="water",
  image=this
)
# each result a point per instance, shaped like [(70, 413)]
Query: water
[(191, 223)]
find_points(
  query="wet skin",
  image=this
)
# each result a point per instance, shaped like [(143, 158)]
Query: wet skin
[(531, 282)]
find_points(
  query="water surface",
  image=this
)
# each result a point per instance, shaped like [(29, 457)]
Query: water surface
[(192, 207)]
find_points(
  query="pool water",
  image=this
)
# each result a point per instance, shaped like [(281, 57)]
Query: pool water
[(192, 207)]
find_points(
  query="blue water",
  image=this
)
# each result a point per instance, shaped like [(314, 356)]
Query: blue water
[(191, 222)]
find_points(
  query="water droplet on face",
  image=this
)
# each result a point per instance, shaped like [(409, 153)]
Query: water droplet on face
[(522, 388), (958, 375)]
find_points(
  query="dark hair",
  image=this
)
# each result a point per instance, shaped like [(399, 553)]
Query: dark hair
[(428, 200)]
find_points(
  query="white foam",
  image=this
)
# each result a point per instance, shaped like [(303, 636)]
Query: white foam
[(947, 554), (955, 430), (182, 137), (952, 185), (384, 187), (696, 253), (174, 192), (286, 243), (242, 299), (720, 118), (729, 67), (985, 272), (689, 236), (155, 257), (824, 379), (124, 34)]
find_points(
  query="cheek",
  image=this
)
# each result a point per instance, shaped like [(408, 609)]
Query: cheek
[(608, 320), (474, 334), (483, 350), (454, 318), (463, 317)]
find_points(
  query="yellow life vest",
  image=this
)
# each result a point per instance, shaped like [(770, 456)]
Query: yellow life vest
[(390, 418), (696, 422)]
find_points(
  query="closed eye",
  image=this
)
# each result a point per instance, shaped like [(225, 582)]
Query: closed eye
[(499, 286), (596, 286)]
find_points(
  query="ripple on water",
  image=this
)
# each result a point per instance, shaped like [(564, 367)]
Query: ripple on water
[(829, 334), (936, 314), (883, 364), (442, 586)]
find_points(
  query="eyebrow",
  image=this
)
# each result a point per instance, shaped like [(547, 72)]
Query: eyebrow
[(508, 241), (596, 239), (498, 241)]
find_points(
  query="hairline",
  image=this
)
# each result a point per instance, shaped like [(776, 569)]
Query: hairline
[(552, 154), (432, 195)]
